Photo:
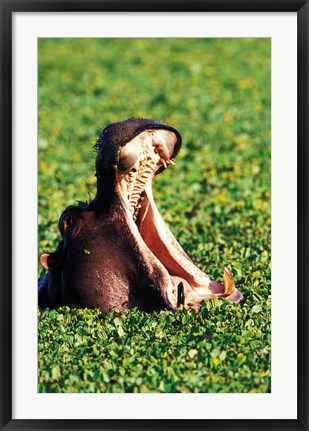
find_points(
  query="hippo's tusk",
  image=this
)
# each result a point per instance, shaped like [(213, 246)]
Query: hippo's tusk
[(180, 295), (228, 282), (163, 162)]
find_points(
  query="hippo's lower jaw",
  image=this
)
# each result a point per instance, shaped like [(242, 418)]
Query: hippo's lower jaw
[(188, 285)]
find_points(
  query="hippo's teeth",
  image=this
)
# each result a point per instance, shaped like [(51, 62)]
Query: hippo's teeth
[(228, 282), (163, 162), (180, 295), (170, 162), (158, 149)]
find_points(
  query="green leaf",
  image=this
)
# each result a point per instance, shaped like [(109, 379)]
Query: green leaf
[(257, 308), (56, 373)]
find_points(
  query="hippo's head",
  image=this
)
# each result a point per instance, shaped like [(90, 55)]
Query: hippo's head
[(118, 252)]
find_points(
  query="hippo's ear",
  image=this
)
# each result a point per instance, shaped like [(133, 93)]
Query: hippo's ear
[(69, 217), (44, 260), (65, 221), (50, 260)]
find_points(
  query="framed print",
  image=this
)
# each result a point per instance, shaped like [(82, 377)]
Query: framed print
[(126, 331)]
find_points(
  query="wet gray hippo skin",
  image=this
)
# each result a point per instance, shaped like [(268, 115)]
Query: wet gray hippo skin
[(117, 252)]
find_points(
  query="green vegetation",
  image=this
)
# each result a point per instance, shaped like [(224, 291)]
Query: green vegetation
[(216, 200)]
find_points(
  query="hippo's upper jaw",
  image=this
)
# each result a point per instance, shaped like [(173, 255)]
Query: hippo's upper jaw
[(134, 259)]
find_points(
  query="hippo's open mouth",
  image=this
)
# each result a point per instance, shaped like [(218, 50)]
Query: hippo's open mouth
[(129, 246), (138, 162)]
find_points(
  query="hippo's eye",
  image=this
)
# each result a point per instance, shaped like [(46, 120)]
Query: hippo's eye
[(128, 157)]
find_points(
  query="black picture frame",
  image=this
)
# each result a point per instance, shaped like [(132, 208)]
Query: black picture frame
[(7, 8)]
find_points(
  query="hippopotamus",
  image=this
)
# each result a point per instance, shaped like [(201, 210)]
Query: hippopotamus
[(116, 251)]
